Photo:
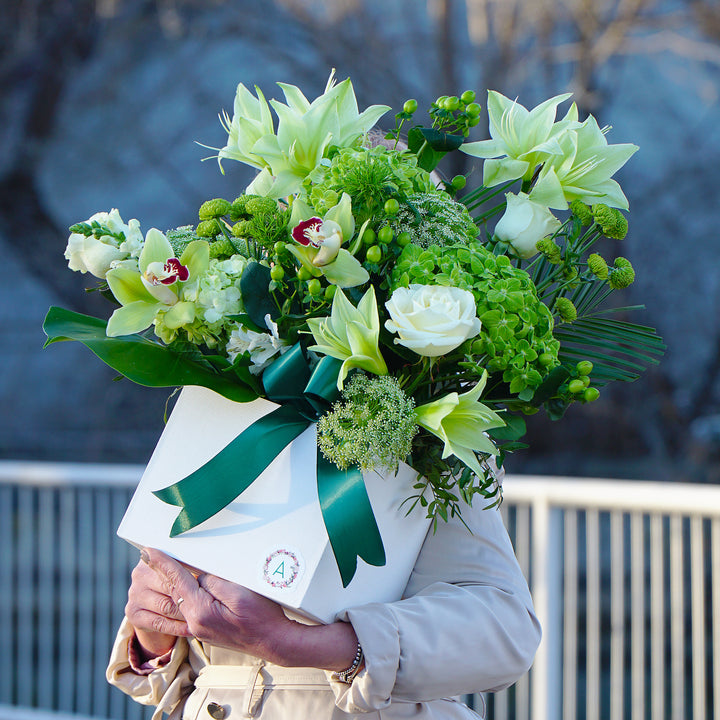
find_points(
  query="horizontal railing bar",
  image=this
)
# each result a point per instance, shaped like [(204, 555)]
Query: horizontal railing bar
[(49, 474), (600, 494), (566, 492), (12, 712)]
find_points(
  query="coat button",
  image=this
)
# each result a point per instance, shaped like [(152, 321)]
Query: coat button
[(216, 711)]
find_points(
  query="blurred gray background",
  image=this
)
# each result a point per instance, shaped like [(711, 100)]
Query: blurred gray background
[(102, 102)]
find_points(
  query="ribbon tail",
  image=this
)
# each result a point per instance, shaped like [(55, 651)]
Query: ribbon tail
[(221, 479), (348, 517)]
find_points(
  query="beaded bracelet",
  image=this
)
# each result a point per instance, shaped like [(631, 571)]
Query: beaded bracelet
[(347, 676)]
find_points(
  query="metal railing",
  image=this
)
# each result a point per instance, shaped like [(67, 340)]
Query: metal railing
[(625, 578)]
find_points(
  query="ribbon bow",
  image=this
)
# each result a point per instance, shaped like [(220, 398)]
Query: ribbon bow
[(303, 396)]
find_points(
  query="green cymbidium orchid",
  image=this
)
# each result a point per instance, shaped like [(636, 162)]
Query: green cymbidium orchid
[(350, 334), (318, 242), (584, 169), (157, 287), (460, 421), (305, 131), (521, 138)]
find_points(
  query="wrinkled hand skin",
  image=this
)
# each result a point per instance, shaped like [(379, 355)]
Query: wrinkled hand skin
[(228, 615), (153, 613)]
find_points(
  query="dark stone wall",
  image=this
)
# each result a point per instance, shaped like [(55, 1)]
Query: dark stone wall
[(100, 111)]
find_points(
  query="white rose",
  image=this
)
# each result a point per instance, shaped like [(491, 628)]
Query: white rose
[(432, 320), (525, 223)]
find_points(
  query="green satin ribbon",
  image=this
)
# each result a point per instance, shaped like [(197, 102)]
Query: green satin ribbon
[(344, 503)]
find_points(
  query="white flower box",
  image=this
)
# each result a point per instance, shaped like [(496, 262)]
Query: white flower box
[(271, 538)]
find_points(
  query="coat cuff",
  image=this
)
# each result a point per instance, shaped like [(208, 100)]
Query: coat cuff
[(377, 631)]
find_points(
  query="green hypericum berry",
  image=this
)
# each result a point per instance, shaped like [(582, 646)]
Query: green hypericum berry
[(473, 110), (279, 247), (404, 238), (546, 359), (391, 207), (385, 234), (582, 212), (330, 291), (374, 254), (584, 367), (369, 236), (565, 309), (410, 106), (303, 274), (207, 228), (314, 287), (452, 103), (612, 222), (467, 97), (458, 182), (622, 275), (277, 273), (576, 386), (597, 266), (213, 209), (591, 394)]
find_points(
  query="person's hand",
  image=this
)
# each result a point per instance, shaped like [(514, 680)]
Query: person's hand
[(153, 613), (228, 615), (223, 613)]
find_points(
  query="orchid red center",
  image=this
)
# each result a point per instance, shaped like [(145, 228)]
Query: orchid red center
[(303, 231), (175, 271)]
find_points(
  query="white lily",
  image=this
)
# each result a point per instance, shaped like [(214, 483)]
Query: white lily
[(305, 131), (584, 170), (521, 138)]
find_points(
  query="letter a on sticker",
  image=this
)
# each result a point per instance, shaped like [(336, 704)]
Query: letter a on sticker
[(280, 569)]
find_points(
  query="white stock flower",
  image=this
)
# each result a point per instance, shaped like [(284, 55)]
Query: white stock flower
[(525, 223), (432, 320), (261, 346), (96, 255)]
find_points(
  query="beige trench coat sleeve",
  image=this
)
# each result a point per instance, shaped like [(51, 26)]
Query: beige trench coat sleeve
[(167, 687), (466, 624)]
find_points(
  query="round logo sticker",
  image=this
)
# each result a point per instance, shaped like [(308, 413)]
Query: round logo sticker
[(282, 568)]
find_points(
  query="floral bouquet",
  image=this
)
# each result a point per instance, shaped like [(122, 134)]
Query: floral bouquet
[(357, 289)]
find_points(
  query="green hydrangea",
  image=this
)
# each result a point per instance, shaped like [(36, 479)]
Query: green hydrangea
[(517, 328), (372, 427), (370, 176), (434, 218)]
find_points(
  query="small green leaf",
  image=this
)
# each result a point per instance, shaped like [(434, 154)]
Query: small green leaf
[(256, 297)]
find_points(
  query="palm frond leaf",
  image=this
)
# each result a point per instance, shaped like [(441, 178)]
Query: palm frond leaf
[(619, 350)]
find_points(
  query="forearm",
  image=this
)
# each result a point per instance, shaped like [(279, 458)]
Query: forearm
[(328, 647)]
